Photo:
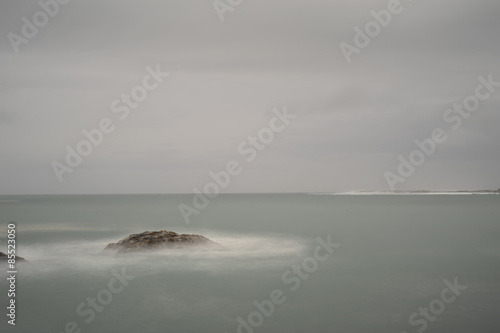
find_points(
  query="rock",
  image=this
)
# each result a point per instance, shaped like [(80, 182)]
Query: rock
[(4, 257), (153, 240)]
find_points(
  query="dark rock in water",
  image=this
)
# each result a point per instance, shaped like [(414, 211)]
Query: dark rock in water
[(153, 240), (5, 257)]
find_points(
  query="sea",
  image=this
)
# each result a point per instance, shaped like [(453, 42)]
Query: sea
[(289, 263)]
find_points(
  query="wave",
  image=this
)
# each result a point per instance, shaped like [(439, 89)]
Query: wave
[(238, 252)]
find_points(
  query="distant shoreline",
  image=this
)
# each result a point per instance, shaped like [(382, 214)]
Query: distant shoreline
[(429, 191), (416, 192), (360, 192)]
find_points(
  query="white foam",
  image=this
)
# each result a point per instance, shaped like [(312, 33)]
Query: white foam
[(237, 252)]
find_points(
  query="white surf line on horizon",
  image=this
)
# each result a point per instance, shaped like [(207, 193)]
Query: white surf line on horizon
[(405, 193)]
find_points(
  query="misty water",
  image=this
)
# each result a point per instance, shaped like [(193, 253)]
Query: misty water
[(395, 253)]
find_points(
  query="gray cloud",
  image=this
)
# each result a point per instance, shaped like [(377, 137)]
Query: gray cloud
[(226, 77)]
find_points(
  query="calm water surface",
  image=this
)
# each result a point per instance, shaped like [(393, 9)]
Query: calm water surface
[(395, 253)]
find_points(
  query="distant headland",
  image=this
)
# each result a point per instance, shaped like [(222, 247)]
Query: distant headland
[(414, 192)]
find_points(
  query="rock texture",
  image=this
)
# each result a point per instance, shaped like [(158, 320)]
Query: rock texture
[(5, 257), (152, 240)]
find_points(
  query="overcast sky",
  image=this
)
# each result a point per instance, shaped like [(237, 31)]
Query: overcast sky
[(352, 120)]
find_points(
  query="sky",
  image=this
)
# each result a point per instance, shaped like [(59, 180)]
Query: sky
[(232, 67)]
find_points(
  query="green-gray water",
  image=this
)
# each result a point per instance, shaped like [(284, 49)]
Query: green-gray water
[(395, 253)]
